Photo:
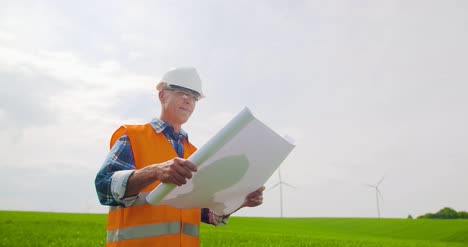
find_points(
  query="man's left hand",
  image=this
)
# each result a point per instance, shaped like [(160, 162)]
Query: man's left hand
[(255, 198)]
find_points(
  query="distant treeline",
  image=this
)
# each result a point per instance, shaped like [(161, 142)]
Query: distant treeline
[(446, 213)]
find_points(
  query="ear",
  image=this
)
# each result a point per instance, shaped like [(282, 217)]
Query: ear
[(161, 96)]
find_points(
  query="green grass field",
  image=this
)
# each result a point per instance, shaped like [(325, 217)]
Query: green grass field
[(53, 229)]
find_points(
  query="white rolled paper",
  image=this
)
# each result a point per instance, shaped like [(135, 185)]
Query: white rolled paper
[(204, 153)]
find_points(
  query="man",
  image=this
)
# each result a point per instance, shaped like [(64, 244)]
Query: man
[(142, 157)]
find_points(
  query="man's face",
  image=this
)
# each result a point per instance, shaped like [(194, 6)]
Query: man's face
[(178, 106)]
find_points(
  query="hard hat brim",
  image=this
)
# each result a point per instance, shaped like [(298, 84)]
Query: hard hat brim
[(163, 85)]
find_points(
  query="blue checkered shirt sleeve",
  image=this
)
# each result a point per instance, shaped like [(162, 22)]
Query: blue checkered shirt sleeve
[(120, 158)]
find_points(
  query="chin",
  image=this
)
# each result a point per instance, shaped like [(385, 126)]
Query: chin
[(185, 116), (183, 120)]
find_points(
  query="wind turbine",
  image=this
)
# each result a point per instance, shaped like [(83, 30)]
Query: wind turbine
[(377, 194), (280, 183)]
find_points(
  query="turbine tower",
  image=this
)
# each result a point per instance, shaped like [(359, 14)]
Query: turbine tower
[(377, 194), (280, 183)]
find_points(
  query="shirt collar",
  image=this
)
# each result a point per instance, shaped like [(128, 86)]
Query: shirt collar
[(159, 126)]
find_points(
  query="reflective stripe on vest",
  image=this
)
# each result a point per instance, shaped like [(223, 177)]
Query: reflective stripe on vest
[(149, 231)]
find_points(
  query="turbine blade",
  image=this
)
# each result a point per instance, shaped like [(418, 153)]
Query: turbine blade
[(380, 181), (369, 185), (273, 187), (289, 185)]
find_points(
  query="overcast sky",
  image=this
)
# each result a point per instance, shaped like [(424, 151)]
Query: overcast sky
[(366, 88)]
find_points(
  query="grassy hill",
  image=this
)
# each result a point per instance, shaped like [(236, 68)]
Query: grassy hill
[(53, 229)]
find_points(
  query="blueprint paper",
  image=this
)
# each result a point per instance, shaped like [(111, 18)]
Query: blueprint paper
[(238, 160), (202, 154)]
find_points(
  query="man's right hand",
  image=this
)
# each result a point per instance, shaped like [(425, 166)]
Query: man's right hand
[(175, 171)]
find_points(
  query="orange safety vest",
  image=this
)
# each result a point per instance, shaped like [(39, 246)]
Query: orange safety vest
[(142, 224)]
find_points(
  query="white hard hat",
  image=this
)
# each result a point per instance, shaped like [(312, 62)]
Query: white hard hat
[(186, 77)]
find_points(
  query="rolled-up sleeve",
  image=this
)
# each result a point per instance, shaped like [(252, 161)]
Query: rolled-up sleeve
[(119, 186)]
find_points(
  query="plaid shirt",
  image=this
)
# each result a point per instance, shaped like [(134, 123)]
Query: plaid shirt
[(111, 180)]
